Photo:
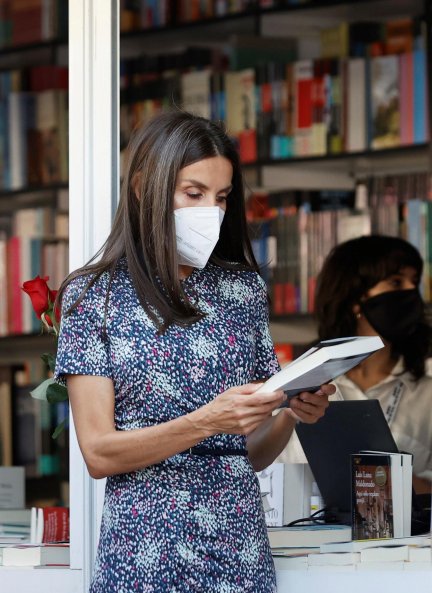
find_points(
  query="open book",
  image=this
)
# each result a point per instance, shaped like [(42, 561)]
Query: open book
[(322, 363)]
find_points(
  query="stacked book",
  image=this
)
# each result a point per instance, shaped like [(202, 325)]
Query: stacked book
[(34, 537), (407, 553)]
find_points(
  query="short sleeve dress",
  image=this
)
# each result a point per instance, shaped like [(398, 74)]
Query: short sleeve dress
[(192, 523)]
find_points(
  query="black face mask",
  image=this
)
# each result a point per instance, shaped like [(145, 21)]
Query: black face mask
[(395, 315)]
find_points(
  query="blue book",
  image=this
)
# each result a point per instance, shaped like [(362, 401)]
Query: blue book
[(419, 96), (36, 270)]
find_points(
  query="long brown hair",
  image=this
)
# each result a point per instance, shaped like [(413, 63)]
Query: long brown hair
[(143, 229)]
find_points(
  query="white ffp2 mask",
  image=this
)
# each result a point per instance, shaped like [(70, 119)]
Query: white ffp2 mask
[(197, 232)]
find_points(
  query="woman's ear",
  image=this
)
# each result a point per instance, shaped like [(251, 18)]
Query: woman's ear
[(136, 184), (356, 310)]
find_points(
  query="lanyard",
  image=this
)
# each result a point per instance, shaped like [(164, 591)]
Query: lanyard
[(395, 398)]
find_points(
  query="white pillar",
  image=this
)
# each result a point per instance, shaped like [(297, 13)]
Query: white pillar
[(93, 187)]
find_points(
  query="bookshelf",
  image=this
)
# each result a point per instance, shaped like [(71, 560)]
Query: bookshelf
[(329, 54), (33, 221)]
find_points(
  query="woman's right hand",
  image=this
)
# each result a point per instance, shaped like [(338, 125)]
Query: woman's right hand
[(237, 411)]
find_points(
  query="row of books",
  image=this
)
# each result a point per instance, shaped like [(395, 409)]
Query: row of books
[(34, 537), (305, 108), (33, 127), (370, 38), (293, 231), (26, 428), (23, 22), (148, 14), (35, 525), (23, 258), (407, 553)]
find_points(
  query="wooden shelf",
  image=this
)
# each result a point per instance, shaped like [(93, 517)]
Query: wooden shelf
[(284, 21), (14, 349), (345, 156), (51, 44)]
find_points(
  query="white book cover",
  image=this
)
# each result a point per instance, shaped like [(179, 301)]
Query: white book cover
[(195, 89), (373, 566), (334, 559), (322, 363), (36, 555), (420, 554), (385, 554)]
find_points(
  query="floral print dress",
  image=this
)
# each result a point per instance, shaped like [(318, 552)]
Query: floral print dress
[(191, 523)]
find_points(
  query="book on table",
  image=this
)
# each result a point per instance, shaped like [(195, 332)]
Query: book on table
[(307, 535), (404, 460), (49, 525), (358, 545), (320, 364), (381, 495), (385, 554), (14, 525), (35, 555)]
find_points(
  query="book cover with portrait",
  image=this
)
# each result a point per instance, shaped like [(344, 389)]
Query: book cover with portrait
[(373, 497)]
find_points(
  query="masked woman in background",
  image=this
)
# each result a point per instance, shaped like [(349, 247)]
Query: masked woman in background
[(370, 286)]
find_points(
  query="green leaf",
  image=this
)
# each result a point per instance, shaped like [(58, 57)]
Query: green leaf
[(40, 392), (49, 360), (59, 429), (56, 393)]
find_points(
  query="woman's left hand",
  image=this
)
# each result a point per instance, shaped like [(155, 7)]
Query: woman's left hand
[(310, 407)]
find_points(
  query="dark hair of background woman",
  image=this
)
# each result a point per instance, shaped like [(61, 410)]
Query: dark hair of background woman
[(349, 271), (143, 229)]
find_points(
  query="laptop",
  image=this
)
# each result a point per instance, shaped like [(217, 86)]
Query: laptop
[(346, 427)]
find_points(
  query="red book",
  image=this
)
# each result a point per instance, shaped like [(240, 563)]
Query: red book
[(290, 300), (26, 25), (406, 98), (278, 299), (284, 353), (50, 525), (48, 77)]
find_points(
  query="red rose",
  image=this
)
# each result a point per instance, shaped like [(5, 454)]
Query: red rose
[(39, 294)]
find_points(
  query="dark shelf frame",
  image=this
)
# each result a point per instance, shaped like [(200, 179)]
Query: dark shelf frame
[(53, 187), (254, 12), (397, 150), (51, 44)]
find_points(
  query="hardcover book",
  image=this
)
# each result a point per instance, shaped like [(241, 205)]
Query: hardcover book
[(380, 498), (322, 363)]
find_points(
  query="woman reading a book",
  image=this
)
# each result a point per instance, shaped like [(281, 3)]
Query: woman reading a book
[(370, 286), (162, 342)]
